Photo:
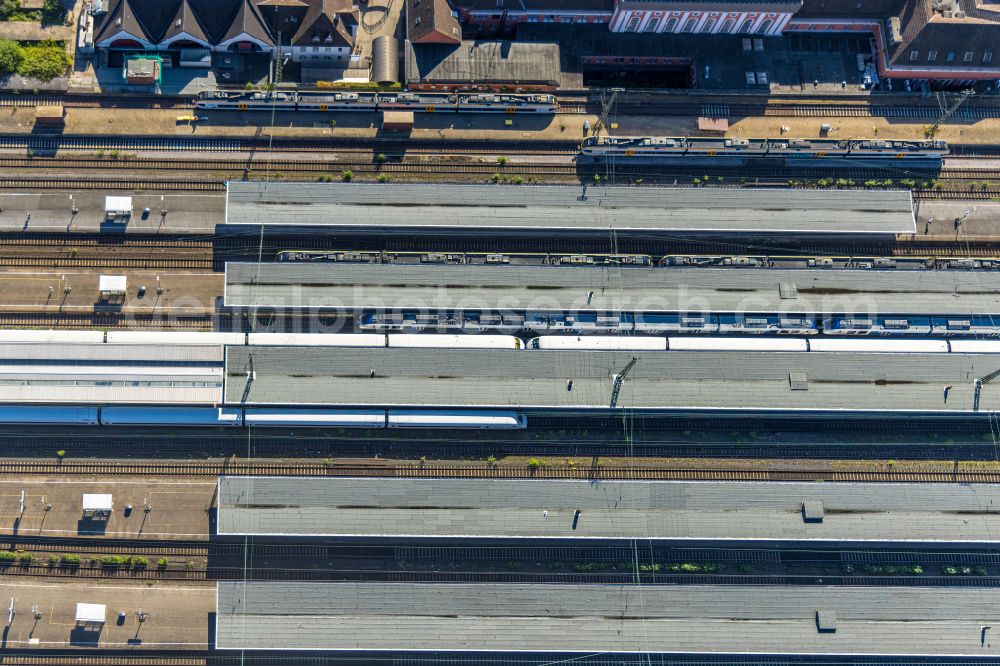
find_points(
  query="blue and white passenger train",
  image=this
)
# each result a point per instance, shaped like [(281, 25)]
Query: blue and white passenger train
[(790, 152), (231, 416), (683, 323), (259, 417), (424, 102)]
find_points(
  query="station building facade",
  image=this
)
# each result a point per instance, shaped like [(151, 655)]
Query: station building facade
[(305, 30), (947, 41)]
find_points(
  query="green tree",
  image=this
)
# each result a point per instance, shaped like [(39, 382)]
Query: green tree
[(11, 56), (44, 62), (53, 11), (8, 8)]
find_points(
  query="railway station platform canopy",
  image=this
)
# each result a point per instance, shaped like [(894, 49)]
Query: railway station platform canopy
[(50, 371), (574, 619), (392, 509), (660, 381), (506, 288), (513, 209)]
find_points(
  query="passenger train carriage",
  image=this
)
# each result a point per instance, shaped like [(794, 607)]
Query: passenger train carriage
[(291, 416), (427, 102), (790, 152)]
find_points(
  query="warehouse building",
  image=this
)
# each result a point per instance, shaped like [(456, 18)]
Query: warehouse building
[(583, 381), (492, 209), (566, 621), (381, 510)]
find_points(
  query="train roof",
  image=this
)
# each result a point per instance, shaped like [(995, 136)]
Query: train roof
[(784, 143), (604, 289), (540, 379), (564, 618), (482, 209), (669, 510)]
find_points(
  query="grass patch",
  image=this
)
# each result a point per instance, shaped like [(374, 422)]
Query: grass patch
[(43, 61)]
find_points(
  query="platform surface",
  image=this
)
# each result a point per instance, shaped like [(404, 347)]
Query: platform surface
[(178, 509), (723, 619), (532, 509), (503, 288), (52, 211), (659, 380), (569, 209), (176, 615)]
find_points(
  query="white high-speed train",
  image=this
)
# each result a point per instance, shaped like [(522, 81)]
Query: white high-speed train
[(260, 417), (290, 416), (762, 344)]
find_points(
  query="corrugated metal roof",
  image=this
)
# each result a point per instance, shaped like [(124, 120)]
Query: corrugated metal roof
[(609, 509), (78, 353), (507, 287), (483, 62), (604, 618), (111, 373), (572, 208), (660, 380), (112, 392)]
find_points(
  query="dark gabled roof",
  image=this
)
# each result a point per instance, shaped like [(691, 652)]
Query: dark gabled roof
[(432, 22), (155, 15), (247, 19), (849, 8), (497, 6), (186, 21), (928, 33), (327, 22), (215, 16), (122, 17)]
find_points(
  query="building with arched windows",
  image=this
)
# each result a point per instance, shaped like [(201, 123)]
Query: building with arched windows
[(748, 17), (307, 30), (947, 41)]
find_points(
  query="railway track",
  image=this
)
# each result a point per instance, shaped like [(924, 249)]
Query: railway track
[(111, 184), (71, 262), (507, 172), (49, 145), (103, 546), (335, 469), (89, 101), (250, 163), (107, 321), (77, 657), (97, 253)]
